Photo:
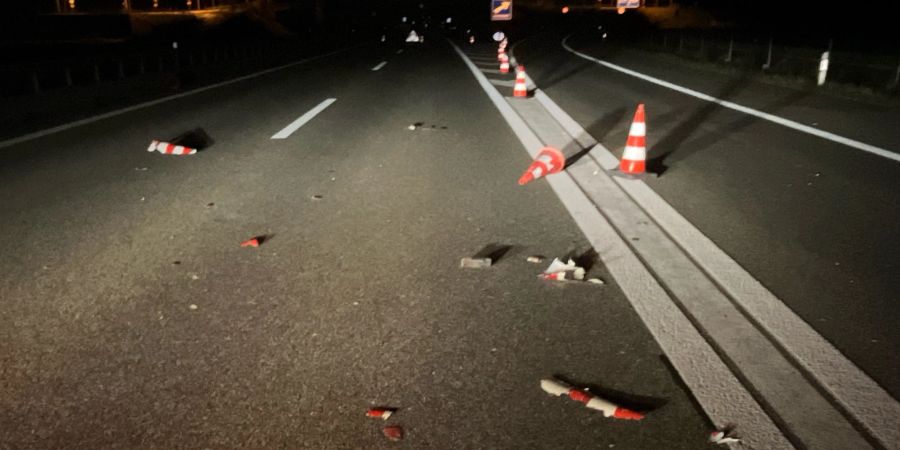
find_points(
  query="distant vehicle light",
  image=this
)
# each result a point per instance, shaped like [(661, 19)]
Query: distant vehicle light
[(621, 10), (403, 19), (449, 20), (565, 10)]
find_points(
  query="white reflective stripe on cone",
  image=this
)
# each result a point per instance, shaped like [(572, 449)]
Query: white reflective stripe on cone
[(547, 160), (638, 129), (635, 153)]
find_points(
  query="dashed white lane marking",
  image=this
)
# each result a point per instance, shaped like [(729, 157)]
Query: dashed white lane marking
[(295, 125), (78, 123), (379, 66), (726, 104)]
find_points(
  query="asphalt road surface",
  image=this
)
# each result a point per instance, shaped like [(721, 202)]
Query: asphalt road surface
[(814, 220), (130, 317)]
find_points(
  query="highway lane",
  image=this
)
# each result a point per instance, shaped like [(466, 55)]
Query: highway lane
[(813, 220), (355, 300)]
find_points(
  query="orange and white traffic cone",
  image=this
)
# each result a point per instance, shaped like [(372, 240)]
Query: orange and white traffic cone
[(634, 158), (609, 409), (549, 160), (520, 89), (170, 149), (501, 54), (504, 64)]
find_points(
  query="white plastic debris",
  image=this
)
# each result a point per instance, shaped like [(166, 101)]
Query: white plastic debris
[(595, 281), (722, 437), (563, 271), (411, 127), (193, 307), (475, 263), (535, 259)]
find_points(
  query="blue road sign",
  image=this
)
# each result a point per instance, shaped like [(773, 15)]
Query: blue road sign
[(501, 9)]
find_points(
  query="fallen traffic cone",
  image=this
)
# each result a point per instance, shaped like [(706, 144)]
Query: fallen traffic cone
[(170, 149), (608, 408), (634, 158), (549, 160), (520, 89)]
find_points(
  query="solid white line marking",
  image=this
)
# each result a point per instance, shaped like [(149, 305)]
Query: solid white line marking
[(866, 401), (78, 123), (295, 125), (379, 66), (720, 393), (725, 103)]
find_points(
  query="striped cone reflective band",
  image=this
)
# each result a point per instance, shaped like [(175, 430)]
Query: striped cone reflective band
[(634, 158), (502, 54), (520, 89), (608, 408), (504, 66), (503, 58), (170, 149), (549, 160)]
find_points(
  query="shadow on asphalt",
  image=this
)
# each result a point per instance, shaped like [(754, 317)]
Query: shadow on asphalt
[(197, 138), (494, 251)]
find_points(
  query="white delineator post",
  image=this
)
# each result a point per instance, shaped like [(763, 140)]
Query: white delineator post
[(823, 68)]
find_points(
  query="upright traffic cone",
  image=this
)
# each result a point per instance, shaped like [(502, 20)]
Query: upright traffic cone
[(549, 160), (520, 89), (504, 64), (634, 158)]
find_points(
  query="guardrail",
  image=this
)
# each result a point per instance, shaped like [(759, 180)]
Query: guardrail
[(877, 71), (34, 78)]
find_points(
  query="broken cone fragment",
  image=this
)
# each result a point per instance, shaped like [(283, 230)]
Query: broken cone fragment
[(609, 409), (563, 271), (253, 242), (393, 433), (379, 413)]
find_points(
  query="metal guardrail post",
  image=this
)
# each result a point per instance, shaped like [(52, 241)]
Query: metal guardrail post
[(35, 82), (730, 55), (768, 63), (896, 77)]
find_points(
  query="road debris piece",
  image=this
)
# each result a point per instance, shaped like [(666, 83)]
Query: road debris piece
[(723, 437), (255, 241), (380, 413), (535, 259), (475, 263), (595, 281), (193, 307), (411, 127), (170, 149), (141, 169), (317, 197), (560, 271), (609, 409), (394, 433)]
